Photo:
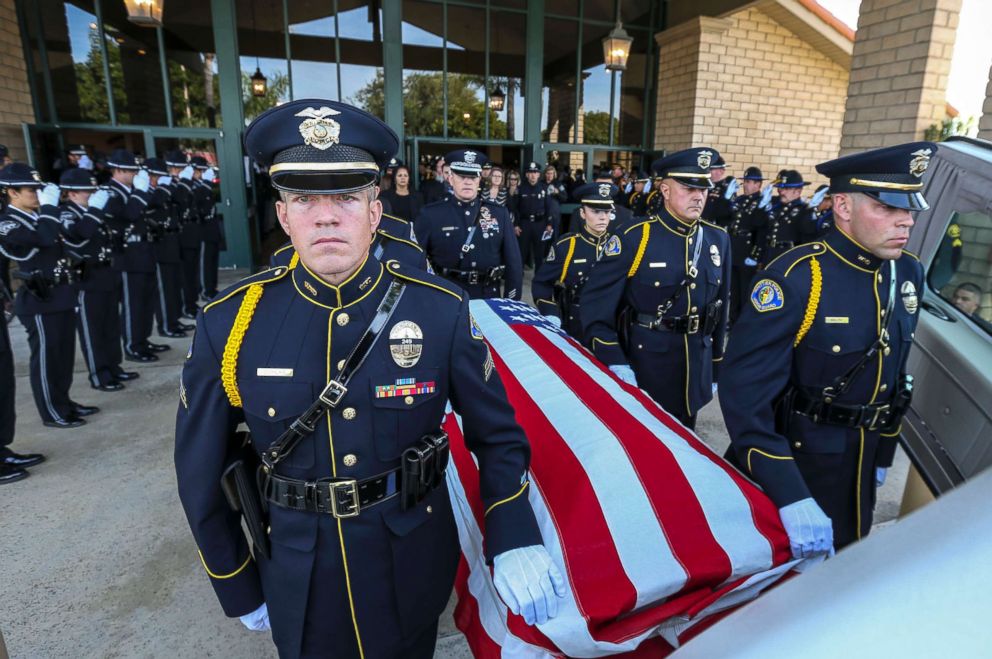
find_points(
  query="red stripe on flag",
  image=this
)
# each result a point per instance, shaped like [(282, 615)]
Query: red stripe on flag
[(468, 620), (675, 505), (604, 589)]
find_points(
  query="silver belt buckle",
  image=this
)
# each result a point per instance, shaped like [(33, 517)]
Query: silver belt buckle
[(351, 493), (693, 324), (333, 393)]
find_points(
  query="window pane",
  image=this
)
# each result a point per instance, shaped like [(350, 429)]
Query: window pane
[(262, 47), (631, 112), (75, 61), (135, 72), (961, 271), (633, 12), (466, 72), (315, 73), (30, 16), (192, 65), (423, 62), (560, 62), (507, 46)]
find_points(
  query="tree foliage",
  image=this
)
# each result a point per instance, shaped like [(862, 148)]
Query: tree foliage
[(596, 128), (276, 90), (948, 128)]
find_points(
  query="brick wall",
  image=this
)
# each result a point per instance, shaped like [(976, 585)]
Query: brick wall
[(752, 89), (15, 95)]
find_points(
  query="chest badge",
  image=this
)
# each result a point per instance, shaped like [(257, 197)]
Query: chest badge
[(715, 255), (613, 246), (406, 343), (909, 298)]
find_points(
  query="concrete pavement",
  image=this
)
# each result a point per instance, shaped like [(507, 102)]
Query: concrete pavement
[(95, 555)]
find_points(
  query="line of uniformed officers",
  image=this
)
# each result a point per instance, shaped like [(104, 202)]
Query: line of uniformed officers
[(109, 263)]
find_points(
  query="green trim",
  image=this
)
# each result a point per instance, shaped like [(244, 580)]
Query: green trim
[(392, 59), (444, 67), (107, 82), (485, 89), (166, 92), (534, 75), (22, 23), (337, 49), (288, 48), (46, 70)]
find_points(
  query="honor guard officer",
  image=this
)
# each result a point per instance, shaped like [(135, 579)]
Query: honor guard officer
[(211, 237), (817, 360), (356, 551), (656, 305), (749, 217), (168, 268), (790, 221), (98, 316), (533, 216), (45, 303), (823, 210), (189, 232), (637, 200), (13, 466), (558, 283), (719, 209), (468, 240)]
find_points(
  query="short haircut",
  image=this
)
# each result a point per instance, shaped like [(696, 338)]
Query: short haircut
[(970, 287)]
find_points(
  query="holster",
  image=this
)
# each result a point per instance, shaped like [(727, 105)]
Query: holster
[(422, 468), (243, 495), (35, 283), (624, 320)]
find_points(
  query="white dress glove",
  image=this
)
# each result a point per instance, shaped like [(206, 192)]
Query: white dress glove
[(210, 175), (99, 199), (625, 373), (164, 181), (49, 195), (142, 181), (85, 162), (809, 529), (880, 475), (257, 620), (187, 173), (714, 388), (529, 583)]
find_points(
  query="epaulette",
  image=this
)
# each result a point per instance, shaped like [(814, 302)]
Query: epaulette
[(263, 277), (395, 219), (283, 248), (418, 276), (634, 226), (386, 234), (436, 203), (710, 224), (788, 259), (566, 237), (910, 254)]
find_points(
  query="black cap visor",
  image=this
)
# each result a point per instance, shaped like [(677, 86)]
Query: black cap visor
[(911, 201), (322, 182)]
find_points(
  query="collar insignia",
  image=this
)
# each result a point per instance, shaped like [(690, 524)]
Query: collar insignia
[(318, 129)]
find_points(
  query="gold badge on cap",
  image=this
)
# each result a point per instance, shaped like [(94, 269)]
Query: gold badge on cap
[(715, 255), (470, 157), (406, 343), (604, 190), (319, 130), (704, 159), (909, 298), (920, 162)]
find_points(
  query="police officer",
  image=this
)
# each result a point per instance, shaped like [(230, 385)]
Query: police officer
[(621, 216), (817, 360), (558, 283), (168, 269), (469, 240), (749, 217), (359, 555), (45, 303), (436, 188), (790, 221), (98, 318), (719, 203), (637, 200), (189, 229), (533, 216), (13, 466), (668, 279), (205, 209), (823, 213)]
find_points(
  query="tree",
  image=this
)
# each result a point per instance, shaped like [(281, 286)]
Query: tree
[(596, 128), (190, 105), (948, 128), (276, 90), (93, 104)]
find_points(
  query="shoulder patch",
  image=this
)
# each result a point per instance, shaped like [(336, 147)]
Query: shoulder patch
[(8, 226), (420, 277), (263, 277), (767, 296), (475, 329), (613, 246)]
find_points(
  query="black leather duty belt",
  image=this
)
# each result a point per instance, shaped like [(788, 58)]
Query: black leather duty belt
[(689, 324), (484, 277), (879, 416), (340, 497)]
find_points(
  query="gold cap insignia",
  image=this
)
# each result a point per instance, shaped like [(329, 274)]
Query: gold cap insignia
[(909, 298), (918, 165), (604, 190), (35, 176), (318, 129), (406, 343), (470, 157), (704, 158)]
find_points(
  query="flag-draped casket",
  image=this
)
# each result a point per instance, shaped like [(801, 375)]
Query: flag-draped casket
[(656, 535)]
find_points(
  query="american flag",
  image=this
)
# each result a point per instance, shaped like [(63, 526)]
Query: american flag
[(657, 536)]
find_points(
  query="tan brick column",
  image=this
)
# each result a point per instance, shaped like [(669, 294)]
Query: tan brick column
[(899, 70), (15, 95), (985, 123)]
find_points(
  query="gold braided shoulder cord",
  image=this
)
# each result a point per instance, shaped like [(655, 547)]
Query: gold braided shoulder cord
[(815, 289), (229, 362), (645, 232), (568, 259)]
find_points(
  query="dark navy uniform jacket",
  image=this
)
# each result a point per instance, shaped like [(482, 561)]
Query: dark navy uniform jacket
[(788, 225), (166, 213), (442, 229), (642, 269), (264, 350), (812, 314), (533, 202), (124, 214), (35, 243), (94, 246), (189, 219), (568, 264), (718, 209), (206, 210), (748, 220), (393, 242)]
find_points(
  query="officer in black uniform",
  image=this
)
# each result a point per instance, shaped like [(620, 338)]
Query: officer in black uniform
[(719, 208), (13, 466), (749, 217), (168, 269), (435, 189), (558, 283), (190, 231), (637, 200), (33, 237), (358, 549), (533, 216), (469, 240), (98, 318), (621, 217), (790, 221), (822, 204), (817, 361), (656, 305), (205, 209)]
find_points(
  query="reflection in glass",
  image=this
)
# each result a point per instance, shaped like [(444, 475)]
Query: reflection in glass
[(507, 45)]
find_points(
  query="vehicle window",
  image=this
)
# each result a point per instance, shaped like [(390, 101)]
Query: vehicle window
[(961, 271)]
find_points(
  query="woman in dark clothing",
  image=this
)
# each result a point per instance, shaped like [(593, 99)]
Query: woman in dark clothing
[(402, 202), (496, 192)]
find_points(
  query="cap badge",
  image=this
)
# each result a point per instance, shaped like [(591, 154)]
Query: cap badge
[(470, 157), (604, 190), (406, 343), (909, 297), (920, 162), (319, 130), (35, 176), (704, 158)]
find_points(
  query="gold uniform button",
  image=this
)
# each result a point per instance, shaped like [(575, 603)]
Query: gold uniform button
[(883, 387), (695, 309), (343, 319), (340, 364), (408, 400), (430, 510), (879, 277), (349, 413), (887, 351), (798, 445), (272, 411), (836, 348), (692, 285), (350, 460)]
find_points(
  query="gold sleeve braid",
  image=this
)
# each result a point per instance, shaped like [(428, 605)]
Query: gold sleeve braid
[(645, 232), (229, 361), (815, 289), (568, 260)]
